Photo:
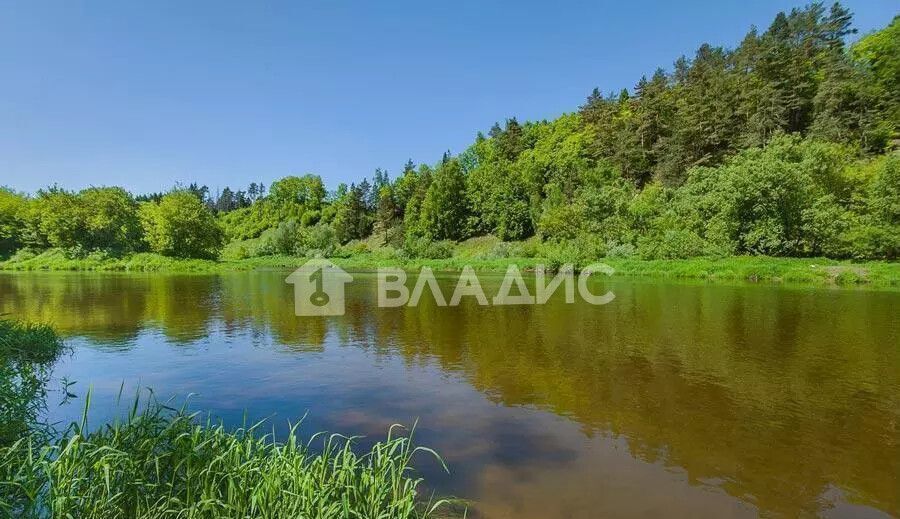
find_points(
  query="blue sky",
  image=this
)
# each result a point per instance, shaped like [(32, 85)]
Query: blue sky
[(144, 94)]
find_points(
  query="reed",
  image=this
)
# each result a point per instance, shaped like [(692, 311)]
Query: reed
[(158, 462), (27, 353), (29, 341)]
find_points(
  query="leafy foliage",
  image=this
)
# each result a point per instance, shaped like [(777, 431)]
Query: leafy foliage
[(12, 221), (181, 226), (782, 146)]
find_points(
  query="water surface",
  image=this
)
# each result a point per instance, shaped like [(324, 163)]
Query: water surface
[(677, 400)]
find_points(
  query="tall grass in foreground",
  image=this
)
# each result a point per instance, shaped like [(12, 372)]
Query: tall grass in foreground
[(160, 462), (27, 354)]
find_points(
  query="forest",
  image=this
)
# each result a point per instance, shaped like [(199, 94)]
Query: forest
[(783, 146)]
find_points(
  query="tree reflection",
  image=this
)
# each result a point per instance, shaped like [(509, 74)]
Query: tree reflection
[(777, 395)]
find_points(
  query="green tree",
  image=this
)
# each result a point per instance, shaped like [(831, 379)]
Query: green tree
[(110, 219), (847, 107), (880, 53), (307, 191), (351, 218), (444, 210), (388, 212), (412, 222), (405, 186), (13, 208), (61, 217), (181, 225)]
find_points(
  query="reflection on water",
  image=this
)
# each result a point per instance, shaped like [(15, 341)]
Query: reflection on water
[(675, 399)]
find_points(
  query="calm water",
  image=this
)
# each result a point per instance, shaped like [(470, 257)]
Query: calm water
[(675, 399)]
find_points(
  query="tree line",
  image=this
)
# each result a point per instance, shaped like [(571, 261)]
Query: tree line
[(783, 146)]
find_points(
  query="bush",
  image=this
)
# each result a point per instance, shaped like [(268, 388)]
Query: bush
[(181, 226), (318, 240), (23, 255), (583, 250), (620, 250), (310, 218), (500, 250), (386, 253), (353, 248), (241, 249), (285, 239), (672, 244), (427, 249), (866, 239), (503, 249)]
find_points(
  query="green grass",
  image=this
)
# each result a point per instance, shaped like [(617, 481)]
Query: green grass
[(27, 353), (489, 254), (158, 462), (760, 269), (29, 341), (57, 260)]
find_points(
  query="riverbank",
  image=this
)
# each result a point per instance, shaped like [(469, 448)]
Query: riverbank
[(161, 462), (757, 269)]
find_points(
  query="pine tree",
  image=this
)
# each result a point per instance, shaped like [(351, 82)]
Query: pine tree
[(387, 213)]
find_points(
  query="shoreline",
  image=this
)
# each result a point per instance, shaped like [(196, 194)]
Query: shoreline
[(752, 269)]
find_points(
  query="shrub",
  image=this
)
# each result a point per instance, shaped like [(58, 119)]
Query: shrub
[(501, 250), (672, 244), (620, 250), (285, 239), (181, 226), (310, 218), (583, 250), (318, 240), (425, 248), (353, 248), (386, 253)]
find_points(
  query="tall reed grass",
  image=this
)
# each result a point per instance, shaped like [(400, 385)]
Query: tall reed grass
[(161, 463), (29, 341), (27, 354)]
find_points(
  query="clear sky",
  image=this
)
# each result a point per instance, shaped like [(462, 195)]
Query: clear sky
[(144, 94)]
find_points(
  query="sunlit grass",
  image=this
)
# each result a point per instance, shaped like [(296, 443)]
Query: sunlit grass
[(158, 462), (486, 255)]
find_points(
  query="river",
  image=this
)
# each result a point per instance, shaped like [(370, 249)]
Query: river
[(675, 399)]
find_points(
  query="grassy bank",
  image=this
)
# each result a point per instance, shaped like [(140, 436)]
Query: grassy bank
[(483, 255), (160, 463), (56, 259)]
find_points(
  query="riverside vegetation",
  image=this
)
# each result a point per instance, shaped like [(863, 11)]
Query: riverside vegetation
[(783, 147), (27, 351), (161, 462)]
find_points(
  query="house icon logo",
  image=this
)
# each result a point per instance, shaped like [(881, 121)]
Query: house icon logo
[(319, 288)]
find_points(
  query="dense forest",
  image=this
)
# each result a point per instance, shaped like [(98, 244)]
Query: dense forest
[(783, 146)]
